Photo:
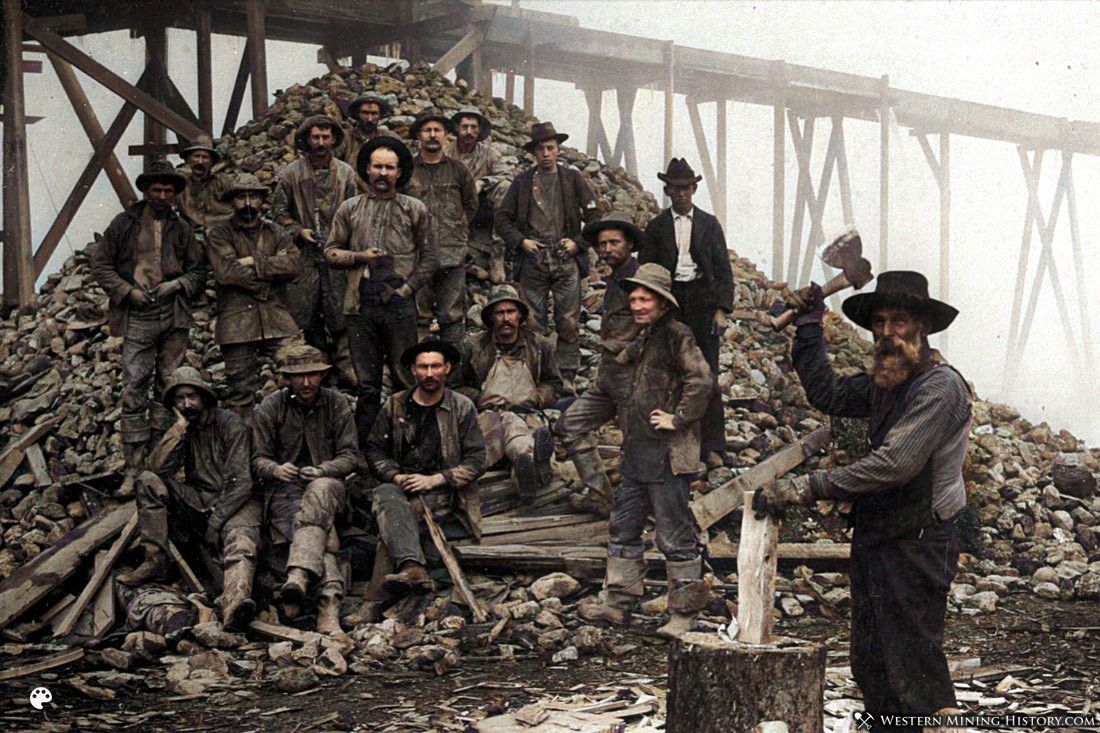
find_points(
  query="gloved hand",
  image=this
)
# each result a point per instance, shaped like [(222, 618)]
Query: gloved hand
[(774, 498), (809, 302)]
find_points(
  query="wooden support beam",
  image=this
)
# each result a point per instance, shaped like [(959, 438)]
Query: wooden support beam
[(256, 11), (156, 58), (460, 51), (597, 136), (236, 97), (757, 560), (670, 99), (529, 73), (721, 163), (92, 128), (807, 200), (18, 259), (1078, 267), (884, 176), (941, 172), (704, 149), (779, 193), (102, 569), (625, 150), (328, 58), (204, 61)]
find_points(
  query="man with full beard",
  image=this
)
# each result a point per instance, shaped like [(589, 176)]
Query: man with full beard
[(906, 493)]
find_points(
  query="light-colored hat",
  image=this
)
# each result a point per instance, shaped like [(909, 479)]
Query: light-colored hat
[(484, 126), (302, 359), (502, 294), (244, 182), (614, 220), (186, 376), (655, 278)]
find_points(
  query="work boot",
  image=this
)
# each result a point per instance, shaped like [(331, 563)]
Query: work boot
[(526, 477), (153, 567), (478, 272), (295, 587), (412, 577), (688, 594), (497, 275), (238, 608), (134, 455), (610, 607), (328, 618), (544, 449), (597, 496)]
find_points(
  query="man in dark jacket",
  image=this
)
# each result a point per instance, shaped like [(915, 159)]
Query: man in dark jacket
[(304, 449), (540, 222), (151, 266), (213, 502), (689, 243), (427, 451), (252, 261), (658, 414), (201, 203), (365, 114), (906, 493)]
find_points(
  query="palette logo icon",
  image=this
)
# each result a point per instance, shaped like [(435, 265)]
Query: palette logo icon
[(863, 720), (39, 697)]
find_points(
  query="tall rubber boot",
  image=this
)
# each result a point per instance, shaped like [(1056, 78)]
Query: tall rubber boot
[(237, 605), (293, 592), (688, 594), (134, 455), (153, 567), (597, 495), (328, 617), (624, 584)]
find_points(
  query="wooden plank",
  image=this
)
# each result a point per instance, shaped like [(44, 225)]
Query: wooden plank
[(17, 448), (711, 507), (453, 568), (185, 568), (104, 613), (756, 565), (458, 52), (505, 524), (278, 631), (33, 580), (52, 662), (588, 533), (37, 463), (98, 576)]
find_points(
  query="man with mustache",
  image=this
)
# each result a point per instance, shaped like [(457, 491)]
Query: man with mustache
[(202, 203), (365, 113), (252, 261), (447, 190), (212, 504), (511, 374), (427, 450), (304, 449), (906, 493), (383, 240), (308, 192), (472, 148), (151, 266)]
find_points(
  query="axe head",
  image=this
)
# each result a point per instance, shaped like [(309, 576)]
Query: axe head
[(845, 253)]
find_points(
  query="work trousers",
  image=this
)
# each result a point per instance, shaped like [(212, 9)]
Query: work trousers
[(405, 539), (507, 435), (899, 600), (445, 298), (242, 371), (378, 335), (667, 500), (305, 516), (696, 311), (304, 301), (151, 345), (546, 275), (487, 252)]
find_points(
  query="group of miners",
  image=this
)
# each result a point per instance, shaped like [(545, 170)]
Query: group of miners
[(367, 243)]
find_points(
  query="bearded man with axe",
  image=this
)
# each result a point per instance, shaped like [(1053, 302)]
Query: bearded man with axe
[(906, 493)]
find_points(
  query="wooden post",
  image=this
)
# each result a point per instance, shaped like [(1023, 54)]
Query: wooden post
[(18, 258), (236, 97), (1078, 264), (477, 66), (756, 564), (779, 168), (510, 77), (257, 54), (945, 227), (702, 147), (721, 165), (529, 73), (624, 141), (670, 98), (156, 56), (884, 177), (205, 62), (596, 135)]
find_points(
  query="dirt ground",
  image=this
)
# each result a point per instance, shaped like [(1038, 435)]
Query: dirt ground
[(1053, 646)]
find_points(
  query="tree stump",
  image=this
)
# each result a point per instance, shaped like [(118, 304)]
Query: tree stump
[(720, 686)]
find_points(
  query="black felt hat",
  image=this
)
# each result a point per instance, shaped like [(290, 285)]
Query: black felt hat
[(900, 289), (161, 171), (450, 354), (404, 157)]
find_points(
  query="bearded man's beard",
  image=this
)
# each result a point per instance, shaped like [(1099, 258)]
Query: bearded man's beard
[(895, 361)]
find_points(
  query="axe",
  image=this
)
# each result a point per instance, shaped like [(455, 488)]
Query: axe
[(845, 253)]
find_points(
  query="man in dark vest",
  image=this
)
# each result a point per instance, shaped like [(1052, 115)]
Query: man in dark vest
[(906, 493)]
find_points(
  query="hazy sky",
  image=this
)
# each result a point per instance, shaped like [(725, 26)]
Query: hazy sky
[(1038, 57)]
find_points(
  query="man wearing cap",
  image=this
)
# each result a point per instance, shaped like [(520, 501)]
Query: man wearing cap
[(213, 502), (615, 237), (202, 203), (658, 413), (151, 267), (365, 114), (427, 450), (540, 222), (472, 148), (511, 374), (252, 261), (447, 190), (906, 493), (309, 191), (304, 448), (690, 244), (383, 240)]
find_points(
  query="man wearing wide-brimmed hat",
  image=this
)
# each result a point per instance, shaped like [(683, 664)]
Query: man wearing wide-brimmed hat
[(690, 244), (201, 203), (365, 113), (151, 267), (511, 374), (383, 240), (425, 448), (253, 260), (447, 190), (658, 413), (309, 191), (906, 493), (540, 222), (304, 448), (472, 148), (213, 503)]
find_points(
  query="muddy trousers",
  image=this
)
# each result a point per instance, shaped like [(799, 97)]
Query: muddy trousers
[(445, 298), (242, 371), (697, 313), (378, 335), (552, 275), (151, 346), (507, 435), (405, 539), (899, 600), (306, 516), (667, 500)]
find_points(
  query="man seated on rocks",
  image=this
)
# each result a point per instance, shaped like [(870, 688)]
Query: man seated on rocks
[(511, 374), (427, 450), (305, 448), (212, 503)]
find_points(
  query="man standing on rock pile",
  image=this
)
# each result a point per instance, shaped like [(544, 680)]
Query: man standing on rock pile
[(447, 190), (304, 449), (366, 114), (658, 412), (906, 493), (689, 243), (151, 267), (540, 222), (213, 502), (201, 202), (511, 374), (308, 193)]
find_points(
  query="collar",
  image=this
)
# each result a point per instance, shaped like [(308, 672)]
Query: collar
[(690, 215), (420, 160), (372, 194), (627, 269), (241, 226)]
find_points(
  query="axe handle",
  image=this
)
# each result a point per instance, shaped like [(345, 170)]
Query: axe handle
[(838, 283)]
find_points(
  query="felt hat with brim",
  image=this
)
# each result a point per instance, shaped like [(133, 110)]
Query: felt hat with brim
[(302, 359), (404, 157), (679, 173), (384, 106), (431, 114), (614, 220), (186, 376), (204, 142), (655, 278), (161, 171), (244, 182), (449, 352), (900, 289), (502, 294), (541, 131), (484, 126), (301, 136)]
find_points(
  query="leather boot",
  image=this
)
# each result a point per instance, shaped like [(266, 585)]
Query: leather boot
[(328, 618), (526, 478), (544, 449), (688, 594), (412, 577), (624, 584), (610, 606), (597, 498), (293, 592), (238, 608), (134, 454), (153, 567), (496, 270)]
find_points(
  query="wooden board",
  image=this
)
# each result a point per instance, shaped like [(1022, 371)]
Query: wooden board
[(756, 563), (589, 533), (278, 631), (505, 524), (57, 660), (102, 568), (13, 453)]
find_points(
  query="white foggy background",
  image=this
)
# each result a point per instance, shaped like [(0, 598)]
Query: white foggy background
[(1036, 57)]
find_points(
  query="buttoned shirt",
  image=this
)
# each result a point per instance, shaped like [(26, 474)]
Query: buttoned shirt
[(686, 269)]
